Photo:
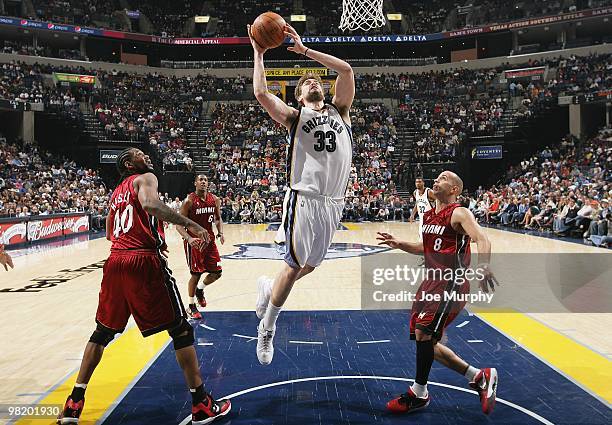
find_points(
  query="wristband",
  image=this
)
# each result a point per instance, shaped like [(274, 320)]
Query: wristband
[(306, 51)]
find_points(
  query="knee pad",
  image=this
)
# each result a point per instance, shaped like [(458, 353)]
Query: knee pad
[(102, 336), (182, 335)]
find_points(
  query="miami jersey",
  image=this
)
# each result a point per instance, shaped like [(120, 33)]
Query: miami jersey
[(320, 153)]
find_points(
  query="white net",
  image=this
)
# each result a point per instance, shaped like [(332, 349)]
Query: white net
[(362, 14)]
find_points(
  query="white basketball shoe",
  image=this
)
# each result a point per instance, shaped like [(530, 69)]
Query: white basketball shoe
[(264, 291), (265, 346)]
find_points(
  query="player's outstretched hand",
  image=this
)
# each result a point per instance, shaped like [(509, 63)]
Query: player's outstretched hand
[(387, 239), (297, 47), (489, 281), (197, 243), (199, 232), (256, 47), (5, 259)]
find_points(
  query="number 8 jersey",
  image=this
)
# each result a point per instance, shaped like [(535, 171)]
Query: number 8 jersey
[(132, 227), (320, 152), (443, 246)]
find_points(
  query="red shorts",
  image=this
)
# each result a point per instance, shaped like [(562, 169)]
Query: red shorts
[(203, 261), (434, 308), (139, 283)]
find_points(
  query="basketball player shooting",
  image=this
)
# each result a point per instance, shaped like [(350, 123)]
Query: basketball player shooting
[(204, 208), (318, 167), (447, 231), (136, 281)]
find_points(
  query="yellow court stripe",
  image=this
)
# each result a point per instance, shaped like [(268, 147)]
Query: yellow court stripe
[(121, 363), (260, 227), (588, 368), (351, 226)]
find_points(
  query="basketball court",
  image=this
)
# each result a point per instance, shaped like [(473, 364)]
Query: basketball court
[(335, 364)]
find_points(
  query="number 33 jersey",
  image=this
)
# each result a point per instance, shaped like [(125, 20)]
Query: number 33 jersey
[(320, 152), (131, 227)]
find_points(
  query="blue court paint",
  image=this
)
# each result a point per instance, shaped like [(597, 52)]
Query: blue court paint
[(323, 385)]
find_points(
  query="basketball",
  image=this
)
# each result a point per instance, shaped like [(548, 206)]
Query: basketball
[(268, 30)]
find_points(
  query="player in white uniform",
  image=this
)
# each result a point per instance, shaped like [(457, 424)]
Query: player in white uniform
[(423, 197), (318, 166)]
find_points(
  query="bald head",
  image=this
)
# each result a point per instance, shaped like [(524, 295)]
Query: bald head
[(447, 187), (455, 181)]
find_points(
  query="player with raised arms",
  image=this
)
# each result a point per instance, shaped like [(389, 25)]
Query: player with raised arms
[(318, 166)]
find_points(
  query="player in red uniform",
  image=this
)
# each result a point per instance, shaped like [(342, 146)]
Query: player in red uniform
[(204, 208), (447, 231), (137, 281)]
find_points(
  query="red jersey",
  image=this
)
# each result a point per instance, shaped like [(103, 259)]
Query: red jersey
[(202, 211), (444, 247), (131, 226)]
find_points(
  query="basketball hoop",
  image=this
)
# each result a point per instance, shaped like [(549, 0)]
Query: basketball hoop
[(362, 14)]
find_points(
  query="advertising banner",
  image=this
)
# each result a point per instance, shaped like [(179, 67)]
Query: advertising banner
[(487, 152)]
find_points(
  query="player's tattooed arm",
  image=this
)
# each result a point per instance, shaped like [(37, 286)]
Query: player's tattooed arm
[(197, 243), (393, 243), (146, 188)]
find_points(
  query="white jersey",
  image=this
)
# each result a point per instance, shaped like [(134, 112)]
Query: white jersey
[(320, 153), (422, 202)]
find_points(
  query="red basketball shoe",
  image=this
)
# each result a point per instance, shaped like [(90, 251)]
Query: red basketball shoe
[(193, 312), (485, 383), (200, 297), (71, 413), (408, 403), (208, 410)]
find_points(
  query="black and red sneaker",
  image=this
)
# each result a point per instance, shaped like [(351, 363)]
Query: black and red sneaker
[(485, 383), (408, 403), (200, 297), (71, 413), (208, 410), (193, 312)]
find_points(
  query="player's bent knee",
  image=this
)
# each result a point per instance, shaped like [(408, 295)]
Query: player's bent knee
[(102, 336), (214, 275), (182, 335)]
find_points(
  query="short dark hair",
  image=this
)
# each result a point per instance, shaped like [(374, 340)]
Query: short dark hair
[(124, 155)]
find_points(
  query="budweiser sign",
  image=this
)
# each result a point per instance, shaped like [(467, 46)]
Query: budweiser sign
[(53, 227)]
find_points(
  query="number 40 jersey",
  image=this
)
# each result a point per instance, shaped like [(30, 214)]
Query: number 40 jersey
[(132, 227), (320, 152)]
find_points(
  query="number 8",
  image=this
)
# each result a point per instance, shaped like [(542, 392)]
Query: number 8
[(437, 244)]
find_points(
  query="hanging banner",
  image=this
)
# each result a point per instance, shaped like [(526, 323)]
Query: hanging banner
[(487, 152), (278, 88), (295, 72)]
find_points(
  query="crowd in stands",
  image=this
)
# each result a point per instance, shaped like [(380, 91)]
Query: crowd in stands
[(247, 153), (34, 182), (564, 189), (92, 13), (171, 18), (150, 108)]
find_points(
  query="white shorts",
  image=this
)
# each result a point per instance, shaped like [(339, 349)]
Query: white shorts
[(309, 224)]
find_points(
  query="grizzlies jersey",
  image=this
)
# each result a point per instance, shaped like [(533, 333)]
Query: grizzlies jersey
[(320, 153), (422, 202)]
